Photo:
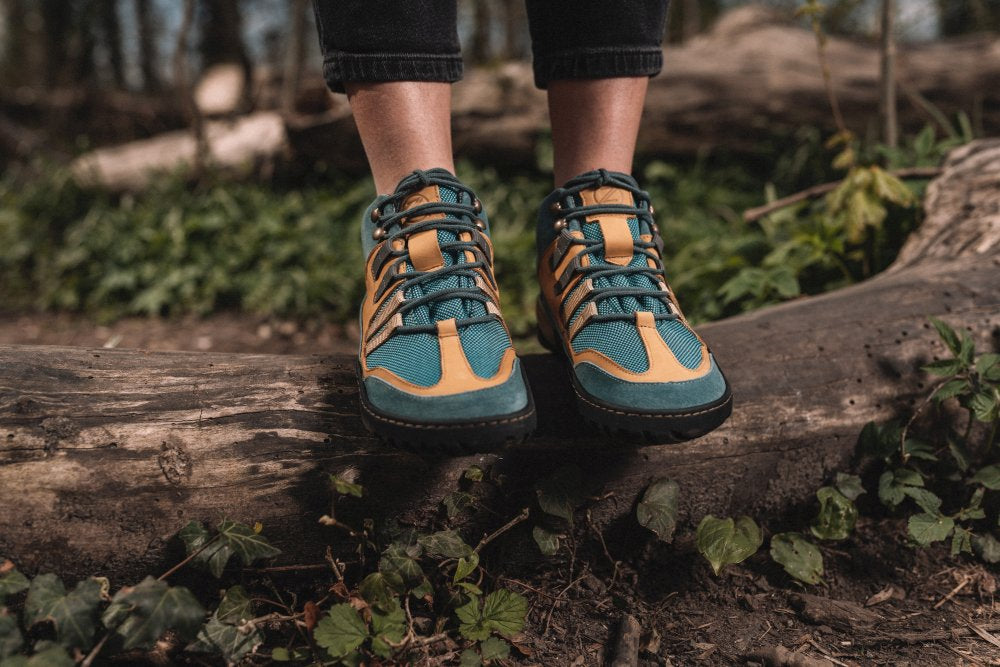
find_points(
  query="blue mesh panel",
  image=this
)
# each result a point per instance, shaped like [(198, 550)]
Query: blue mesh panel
[(484, 345), (618, 340), (413, 357), (681, 341)]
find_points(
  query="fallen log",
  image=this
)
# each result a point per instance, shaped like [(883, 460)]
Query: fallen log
[(104, 454), (751, 79)]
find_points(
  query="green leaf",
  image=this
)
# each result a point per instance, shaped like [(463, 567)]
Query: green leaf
[(849, 485), (927, 528), (928, 501), (74, 615), (466, 566), (236, 607), (988, 366), (341, 631), (469, 658), (446, 543), (214, 556), (141, 614), (46, 654), (943, 367), (880, 441), (494, 648), (952, 388), (837, 515), (388, 627), (988, 476), (473, 473), (547, 541), (280, 654), (11, 583), (967, 351), (457, 502), (724, 541), (892, 485), (948, 335), (961, 541), (226, 640), (987, 547), (401, 571), (800, 557), (245, 542), (503, 611), (985, 405), (658, 508), (11, 640), (376, 591), (919, 449), (343, 487), (562, 492)]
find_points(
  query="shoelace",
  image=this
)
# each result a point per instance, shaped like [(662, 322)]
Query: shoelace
[(568, 212), (458, 218)]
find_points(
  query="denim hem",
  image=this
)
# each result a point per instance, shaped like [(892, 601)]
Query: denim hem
[(339, 67), (597, 63)]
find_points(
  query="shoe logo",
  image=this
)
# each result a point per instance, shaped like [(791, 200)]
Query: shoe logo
[(606, 195), (416, 199)]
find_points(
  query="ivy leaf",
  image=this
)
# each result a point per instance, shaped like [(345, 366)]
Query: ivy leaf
[(724, 541), (457, 502), (547, 541), (376, 591), (342, 486), (141, 614), (226, 640), (837, 515), (892, 485), (987, 547), (341, 631), (12, 582), (961, 541), (245, 542), (388, 626), (503, 611), (849, 485), (658, 508), (400, 570), (800, 557), (11, 640), (214, 556), (562, 492), (74, 615), (236, 607), (494, 648), (988, 476), (948, 335), (927, 528), (446, 543)]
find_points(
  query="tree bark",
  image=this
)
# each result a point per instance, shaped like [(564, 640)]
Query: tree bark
[(105, 454)]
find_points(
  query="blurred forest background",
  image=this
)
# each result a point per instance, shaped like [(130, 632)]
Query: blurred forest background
[(247, 237)]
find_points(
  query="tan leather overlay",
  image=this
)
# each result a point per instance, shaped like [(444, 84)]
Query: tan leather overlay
[(425, 253), (457, 375), (614, 227)]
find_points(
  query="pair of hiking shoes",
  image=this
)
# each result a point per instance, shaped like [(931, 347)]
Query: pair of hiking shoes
[(436, 366)]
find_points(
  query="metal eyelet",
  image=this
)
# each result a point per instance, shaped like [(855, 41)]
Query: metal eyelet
[(480, 224), (378, 233), (477, 205), (376, 214), (559, 224), (556, 207), (654, 227), (652, 211)]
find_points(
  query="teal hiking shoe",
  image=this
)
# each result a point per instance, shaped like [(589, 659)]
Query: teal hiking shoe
[(436, 366), (636, 364)]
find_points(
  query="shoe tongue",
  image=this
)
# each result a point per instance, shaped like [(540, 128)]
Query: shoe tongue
[(424, 247), (615, 230), (426, 195)]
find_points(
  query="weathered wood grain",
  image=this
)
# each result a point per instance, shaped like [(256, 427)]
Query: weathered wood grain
[(104, 454)]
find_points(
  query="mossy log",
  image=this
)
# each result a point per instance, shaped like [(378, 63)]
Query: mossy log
[(104, 454)]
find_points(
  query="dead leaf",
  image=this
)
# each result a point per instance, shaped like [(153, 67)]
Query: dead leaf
[(880, 597), (311, 613)]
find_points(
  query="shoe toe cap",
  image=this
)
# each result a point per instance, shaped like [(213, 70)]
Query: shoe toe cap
[(651, 396)]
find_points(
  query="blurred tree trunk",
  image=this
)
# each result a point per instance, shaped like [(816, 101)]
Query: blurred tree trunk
[(887, 84), (56, 28), (687, 18), (222, 33), (515, 30), (479, 49), (111, 33), (958, 17), (295, 53), (148, 59)]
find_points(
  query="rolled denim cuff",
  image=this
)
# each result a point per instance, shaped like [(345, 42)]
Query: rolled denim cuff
[(597, 63), (340, 67)]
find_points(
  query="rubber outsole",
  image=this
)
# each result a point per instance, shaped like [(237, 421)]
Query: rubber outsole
[(452, 438), (662, 427)]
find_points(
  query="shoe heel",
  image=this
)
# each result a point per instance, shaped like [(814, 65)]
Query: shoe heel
[(546, 336)]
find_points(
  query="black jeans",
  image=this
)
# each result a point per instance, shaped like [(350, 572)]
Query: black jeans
[(417, 40)]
